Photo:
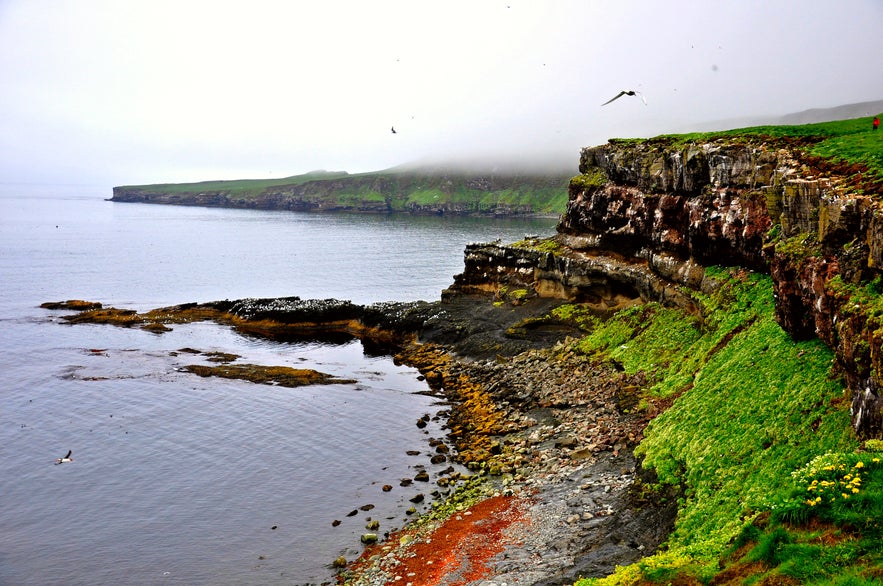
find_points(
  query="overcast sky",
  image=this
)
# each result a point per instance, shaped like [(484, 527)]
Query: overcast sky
[(142, 91)]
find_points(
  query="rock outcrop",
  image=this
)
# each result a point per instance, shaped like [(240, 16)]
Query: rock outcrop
[(645, 218)]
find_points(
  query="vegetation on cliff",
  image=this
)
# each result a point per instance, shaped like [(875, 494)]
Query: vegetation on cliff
[(751, 423), (756, 418)]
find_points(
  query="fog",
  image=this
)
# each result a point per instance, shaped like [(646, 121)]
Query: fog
[(110, 92)]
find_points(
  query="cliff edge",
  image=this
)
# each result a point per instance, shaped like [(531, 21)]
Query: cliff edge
[(645, 218)]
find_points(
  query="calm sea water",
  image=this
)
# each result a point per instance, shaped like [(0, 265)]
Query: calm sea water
[(178, 479)]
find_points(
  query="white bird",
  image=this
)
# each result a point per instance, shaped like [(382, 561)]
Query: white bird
[(626, 93), (67, 458)]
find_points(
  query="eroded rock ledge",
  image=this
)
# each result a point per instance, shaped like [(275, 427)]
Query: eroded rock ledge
[(645, 218)]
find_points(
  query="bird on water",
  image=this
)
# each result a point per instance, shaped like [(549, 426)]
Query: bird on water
[(626, 93), (67, 458)]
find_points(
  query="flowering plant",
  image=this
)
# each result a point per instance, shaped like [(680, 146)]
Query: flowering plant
[(835, 487)]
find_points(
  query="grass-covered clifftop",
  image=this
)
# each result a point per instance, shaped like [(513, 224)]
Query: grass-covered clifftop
[(429, 191), (852, 141), (835, 144)]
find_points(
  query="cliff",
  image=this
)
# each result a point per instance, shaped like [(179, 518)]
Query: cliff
[(646, 218), (431, 191)]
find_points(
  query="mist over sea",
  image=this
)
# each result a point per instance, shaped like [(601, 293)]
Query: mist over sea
[(178, 479)]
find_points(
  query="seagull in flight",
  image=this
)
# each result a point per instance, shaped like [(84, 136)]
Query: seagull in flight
[(393, 129), (626, 93), (67, 458)]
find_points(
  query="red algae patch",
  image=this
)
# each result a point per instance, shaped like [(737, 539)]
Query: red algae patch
[(459, 550)]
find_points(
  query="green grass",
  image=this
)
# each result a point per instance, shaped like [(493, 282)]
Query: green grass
[(852, 141), (752, 407), (239, 186)]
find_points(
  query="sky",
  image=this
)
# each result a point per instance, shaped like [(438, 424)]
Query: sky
[(115, 92)]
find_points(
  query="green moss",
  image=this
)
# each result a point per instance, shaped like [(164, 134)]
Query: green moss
[(799, 248), (540, 245), (594, 179), (752, 406), (579, 315)]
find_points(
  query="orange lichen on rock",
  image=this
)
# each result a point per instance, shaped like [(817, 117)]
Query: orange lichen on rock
[(283, 376), (474, 417)]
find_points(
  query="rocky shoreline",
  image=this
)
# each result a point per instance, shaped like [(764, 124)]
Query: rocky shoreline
[(546, 430), (567, 462)]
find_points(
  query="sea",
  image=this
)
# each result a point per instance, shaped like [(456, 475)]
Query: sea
[(178, 479)]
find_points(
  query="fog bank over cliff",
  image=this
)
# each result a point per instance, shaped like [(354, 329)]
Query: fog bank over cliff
[(811, 116), (161, 91)]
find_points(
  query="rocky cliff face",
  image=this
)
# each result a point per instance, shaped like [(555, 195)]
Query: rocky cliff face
[(644, 218)]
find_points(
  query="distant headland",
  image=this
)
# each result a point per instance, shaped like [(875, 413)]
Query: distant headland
[(423, 191)]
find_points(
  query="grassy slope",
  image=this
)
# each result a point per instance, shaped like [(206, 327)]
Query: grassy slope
[(753, 408), (239, 186), (759, 435)]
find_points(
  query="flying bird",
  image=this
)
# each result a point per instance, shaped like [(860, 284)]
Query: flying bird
[(67, 458), (626, 93), (393, 129)]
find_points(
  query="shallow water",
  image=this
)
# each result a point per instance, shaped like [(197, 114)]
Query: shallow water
[(180, 479)]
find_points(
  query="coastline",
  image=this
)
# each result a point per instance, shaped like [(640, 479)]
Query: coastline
[(553, 492), (433, 191), (571, 506)]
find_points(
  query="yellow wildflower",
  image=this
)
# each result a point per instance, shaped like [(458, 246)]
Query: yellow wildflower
[(854, 490), (859, 464)]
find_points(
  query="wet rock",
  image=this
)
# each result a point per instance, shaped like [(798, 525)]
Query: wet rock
[(72, 304), (284, 376)]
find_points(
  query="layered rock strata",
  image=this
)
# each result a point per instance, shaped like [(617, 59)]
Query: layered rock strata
[(645, 218)]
